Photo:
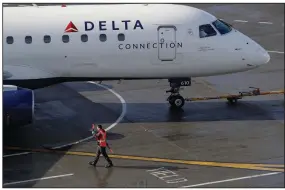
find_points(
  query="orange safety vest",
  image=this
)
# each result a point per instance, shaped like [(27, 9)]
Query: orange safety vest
[(102, 138)]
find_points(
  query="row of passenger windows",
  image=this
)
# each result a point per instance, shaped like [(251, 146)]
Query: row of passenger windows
[(65, 38), (207, 30), (204, 31)]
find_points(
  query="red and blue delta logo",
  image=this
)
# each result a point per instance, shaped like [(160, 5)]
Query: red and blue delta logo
[(70, 28)]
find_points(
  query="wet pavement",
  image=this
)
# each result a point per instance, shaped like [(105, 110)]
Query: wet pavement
[(207, 144)]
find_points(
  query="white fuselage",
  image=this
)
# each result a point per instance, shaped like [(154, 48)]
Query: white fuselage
[(159, 41)]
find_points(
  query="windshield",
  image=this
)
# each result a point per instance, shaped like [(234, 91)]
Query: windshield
[(206, 31), (222, 27)]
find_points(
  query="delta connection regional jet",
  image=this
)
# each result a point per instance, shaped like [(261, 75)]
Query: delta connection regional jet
[(48, 45)]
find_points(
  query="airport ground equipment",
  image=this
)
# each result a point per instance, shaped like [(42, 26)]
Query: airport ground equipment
[(177, 101)]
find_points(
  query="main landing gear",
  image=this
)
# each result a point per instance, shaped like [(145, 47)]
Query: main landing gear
[(175, 99)]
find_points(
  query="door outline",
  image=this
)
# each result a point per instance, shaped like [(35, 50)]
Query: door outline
[(158, 40)]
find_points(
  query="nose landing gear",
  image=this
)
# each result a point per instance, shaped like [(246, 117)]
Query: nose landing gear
[(175, 99)]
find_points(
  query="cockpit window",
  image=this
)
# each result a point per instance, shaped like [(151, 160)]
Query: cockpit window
[(222, 26), (206, 31)]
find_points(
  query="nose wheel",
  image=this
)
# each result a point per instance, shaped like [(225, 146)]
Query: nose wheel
[(175, 99)]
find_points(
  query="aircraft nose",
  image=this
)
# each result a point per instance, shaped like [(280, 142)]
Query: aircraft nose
[(263, 56), (255, 54), (259, 55)]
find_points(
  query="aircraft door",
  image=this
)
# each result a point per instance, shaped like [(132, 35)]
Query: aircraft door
[(166, 43)]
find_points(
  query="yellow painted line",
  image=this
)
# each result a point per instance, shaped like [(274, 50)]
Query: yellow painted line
[(270, 165), (264, 167)]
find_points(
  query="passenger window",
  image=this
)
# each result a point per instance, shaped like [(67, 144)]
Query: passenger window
[(103, 37), (206, 31), (10, 40), (47, 39), (121, 37), (222, 27), (28, 39), (84, 38), (65, 38)]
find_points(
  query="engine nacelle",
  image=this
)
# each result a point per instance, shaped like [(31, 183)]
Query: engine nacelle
[(18, 106)]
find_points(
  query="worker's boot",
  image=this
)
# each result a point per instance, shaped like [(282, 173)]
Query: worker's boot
[(92, 163), (109, 165)]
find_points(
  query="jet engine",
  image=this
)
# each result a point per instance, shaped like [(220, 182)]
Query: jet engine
[(18, 106)]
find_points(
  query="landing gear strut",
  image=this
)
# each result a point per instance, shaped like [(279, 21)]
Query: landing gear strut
[(175, 99)]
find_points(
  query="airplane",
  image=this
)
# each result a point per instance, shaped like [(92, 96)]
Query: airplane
[(48, 45)]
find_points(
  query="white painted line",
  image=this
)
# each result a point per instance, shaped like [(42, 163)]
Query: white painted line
[(123, 102), (44, 178), (276, 52), (240, 21), (124, 110), (17, 154), (265, 22), (233, 179)]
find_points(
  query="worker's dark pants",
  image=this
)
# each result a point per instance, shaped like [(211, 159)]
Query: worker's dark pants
[(102, 150)]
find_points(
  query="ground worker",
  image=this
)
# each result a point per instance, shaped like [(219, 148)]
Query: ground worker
[(101, 136)]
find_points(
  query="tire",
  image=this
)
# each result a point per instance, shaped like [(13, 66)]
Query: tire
[(177, 101), (171, 100), (232, 101)]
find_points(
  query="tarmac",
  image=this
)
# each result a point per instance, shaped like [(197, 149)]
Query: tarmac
[(207, 144)]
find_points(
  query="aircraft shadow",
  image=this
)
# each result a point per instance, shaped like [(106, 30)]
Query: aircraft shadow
[(198, 111), (85, 86), (191, 112)]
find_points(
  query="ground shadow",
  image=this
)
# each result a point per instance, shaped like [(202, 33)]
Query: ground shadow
[(198, 111)]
